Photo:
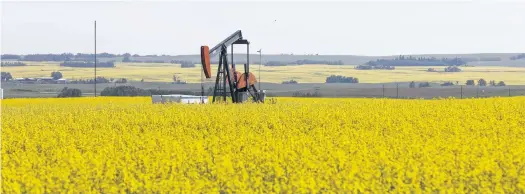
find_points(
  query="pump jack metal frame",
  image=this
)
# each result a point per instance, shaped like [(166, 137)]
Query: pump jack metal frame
[(227, 84)]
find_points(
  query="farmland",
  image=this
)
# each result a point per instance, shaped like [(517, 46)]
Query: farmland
[(118, 145), (163, 72)]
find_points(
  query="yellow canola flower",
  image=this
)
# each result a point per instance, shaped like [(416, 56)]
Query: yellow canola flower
[(297, 145)]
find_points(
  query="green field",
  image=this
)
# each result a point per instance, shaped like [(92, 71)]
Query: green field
[(163, 72)]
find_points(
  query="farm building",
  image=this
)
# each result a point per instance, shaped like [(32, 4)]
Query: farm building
[(25, 80), (177, 98), (45, 80), (61, 81)]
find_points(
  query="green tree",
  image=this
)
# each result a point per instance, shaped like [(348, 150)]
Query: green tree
[(470, 83), (6, 76), (482, 82), (70, 92), (56, 75), (127, 57), (424, 85), (412, 84)]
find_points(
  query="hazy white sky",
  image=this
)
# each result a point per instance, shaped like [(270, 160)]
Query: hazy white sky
[(357, 28)]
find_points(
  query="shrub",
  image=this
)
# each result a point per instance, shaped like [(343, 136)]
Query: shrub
[(447, 84), (10, 56), (341, 79), (370, 67), (12, 64), (69, 92), (482, 82), (290, 82), (99, 80), (424, 85), (417, 61), (520, 56), (56, 75), (470, 83), (452, 69), (275, 63), (306, 94), (187, 64), (412, 84), (90, 64), (124, 91), (126, 59), (307, 61), (6, 76), (501, 83)]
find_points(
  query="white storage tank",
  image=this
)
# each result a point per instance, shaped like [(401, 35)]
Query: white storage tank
[(179, 98)]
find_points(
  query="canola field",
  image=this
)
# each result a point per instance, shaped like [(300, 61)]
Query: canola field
[(128, 145)]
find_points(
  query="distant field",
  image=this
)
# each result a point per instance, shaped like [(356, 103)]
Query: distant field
[(163, 72)]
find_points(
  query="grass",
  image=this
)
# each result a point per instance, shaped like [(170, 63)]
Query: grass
[(155, 72)]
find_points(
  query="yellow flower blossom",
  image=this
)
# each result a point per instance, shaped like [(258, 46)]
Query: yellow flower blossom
[(315, 145)]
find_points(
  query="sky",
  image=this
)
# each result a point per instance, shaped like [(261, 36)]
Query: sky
[(373, 28)]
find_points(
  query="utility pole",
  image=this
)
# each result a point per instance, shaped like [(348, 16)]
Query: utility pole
[(95, 78), (477, 91), (397, 90), (509, 92), (461, 92), (260, 64), (383, 90)]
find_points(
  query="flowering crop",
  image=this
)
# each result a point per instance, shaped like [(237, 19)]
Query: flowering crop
[(128, 145)]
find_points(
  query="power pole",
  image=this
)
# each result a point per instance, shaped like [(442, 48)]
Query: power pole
[(461, 92), (383, 90), (397, 90), (260, 64), (95, 78)]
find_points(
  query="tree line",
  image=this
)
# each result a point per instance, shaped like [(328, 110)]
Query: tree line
[(6, 76), (109, 64), (520, 56), (480, 82), (303, 62), (183, 64), (417, 61), (483, 82), (60, 57), (290, 82), (310, 62), (133, 91), (10, 57), (12, 64), (341, 79), (370, 67), (307, 94), (99, 79)]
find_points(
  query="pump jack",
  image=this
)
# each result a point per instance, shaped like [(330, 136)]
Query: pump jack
[(228, 81)]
